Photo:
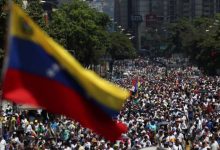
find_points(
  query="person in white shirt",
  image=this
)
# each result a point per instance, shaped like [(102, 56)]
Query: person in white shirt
[(204, 146), (177, 145), (29, 129), (166, 146), (179, 136), (2, 143), (214, 144), (67, 148)]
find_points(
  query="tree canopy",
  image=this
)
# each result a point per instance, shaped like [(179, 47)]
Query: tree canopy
[(83, 29), (199, 39), (35, 11), (80, 28), (77, 27), (121, 47)]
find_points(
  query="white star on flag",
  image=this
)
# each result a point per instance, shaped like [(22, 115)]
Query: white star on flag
[(53, 70)]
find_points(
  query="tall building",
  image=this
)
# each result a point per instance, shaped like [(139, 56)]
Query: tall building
[(106, 6), (140, 15), (193, 8), (217, 6), (121, 12)]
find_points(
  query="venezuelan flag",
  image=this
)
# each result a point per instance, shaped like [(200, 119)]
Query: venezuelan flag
[(39, 72), (135, 85)]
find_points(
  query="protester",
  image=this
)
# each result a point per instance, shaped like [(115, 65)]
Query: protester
[(172, 108)]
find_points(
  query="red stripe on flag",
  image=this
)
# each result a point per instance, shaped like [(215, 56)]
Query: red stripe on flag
[(25, 88)]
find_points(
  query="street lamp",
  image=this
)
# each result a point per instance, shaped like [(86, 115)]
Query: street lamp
[(54, 9), (42, 1), (122, 30), (130, 38)]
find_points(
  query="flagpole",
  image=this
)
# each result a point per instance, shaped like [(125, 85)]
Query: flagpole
[(9, 4), (4, 50)]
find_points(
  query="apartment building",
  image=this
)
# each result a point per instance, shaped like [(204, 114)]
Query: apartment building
[(139, 15)]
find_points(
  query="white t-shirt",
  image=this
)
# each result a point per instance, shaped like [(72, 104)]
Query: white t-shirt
[(214, 146), (67, 148), (180, 137), (28, 129), (175, 147), (2, 144)]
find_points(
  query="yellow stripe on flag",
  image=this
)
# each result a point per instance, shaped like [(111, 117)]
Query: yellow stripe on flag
[(103, 91)]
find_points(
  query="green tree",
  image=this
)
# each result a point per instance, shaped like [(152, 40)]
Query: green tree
[(199, 39), (35, 11), (178, 31), (80, 28), (121, 47)]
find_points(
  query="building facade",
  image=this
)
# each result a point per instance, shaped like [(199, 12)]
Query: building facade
[(121, 13), (140, 15), (105, 6)]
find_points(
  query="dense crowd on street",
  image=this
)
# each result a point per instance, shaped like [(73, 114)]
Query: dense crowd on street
[(173, 108)]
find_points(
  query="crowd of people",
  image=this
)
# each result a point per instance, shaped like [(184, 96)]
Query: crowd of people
[(171, 108)]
